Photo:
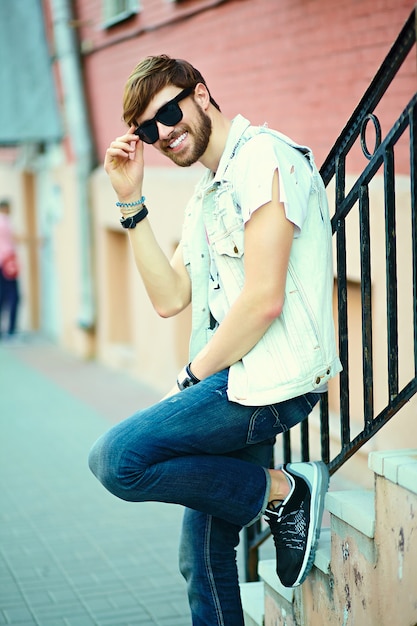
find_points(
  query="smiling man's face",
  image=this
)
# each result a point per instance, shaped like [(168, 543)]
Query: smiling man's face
[(185, 142)]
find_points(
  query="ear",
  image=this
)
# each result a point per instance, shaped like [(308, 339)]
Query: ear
[(202, 96)]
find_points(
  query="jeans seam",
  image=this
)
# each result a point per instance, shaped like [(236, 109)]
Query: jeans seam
[(279, 427), (210, 577), (306, 398), (278, 423)]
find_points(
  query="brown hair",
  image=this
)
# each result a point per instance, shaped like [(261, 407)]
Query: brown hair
[(150, 76)]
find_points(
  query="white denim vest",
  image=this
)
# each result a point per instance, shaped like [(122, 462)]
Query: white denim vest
[(298, 353)]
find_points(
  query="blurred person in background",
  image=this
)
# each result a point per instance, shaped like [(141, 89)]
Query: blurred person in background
[(9, 273)]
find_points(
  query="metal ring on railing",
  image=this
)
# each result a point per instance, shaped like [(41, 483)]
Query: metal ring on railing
[(377, 127)]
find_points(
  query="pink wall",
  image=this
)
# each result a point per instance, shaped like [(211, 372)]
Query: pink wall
[(300, 65)]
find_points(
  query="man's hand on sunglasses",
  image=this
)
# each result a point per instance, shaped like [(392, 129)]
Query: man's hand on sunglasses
[(124, 165)]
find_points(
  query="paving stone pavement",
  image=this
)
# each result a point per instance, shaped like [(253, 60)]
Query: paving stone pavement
[(70, 553)]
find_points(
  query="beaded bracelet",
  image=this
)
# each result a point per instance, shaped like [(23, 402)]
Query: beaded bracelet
[(130, 204)]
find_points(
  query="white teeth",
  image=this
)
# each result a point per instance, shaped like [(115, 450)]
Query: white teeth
[(178, 140)]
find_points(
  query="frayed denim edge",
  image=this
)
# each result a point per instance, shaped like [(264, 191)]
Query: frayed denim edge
[(265, 502)]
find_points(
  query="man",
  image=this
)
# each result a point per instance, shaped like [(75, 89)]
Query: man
[(255, 260)]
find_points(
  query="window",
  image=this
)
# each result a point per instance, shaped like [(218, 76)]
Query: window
[(115, 11)]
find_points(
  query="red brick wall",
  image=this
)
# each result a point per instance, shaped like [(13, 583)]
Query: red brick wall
[(300, 65)]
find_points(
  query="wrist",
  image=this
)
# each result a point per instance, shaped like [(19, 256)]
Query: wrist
[(126, 200), (192, 370), (186, 378)]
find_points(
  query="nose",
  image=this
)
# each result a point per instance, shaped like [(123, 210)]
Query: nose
[(164, 131)]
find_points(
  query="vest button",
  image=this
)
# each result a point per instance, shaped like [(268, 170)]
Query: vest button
[(318, 379)]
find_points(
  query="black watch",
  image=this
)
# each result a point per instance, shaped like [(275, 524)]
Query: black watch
[(131, 221), (186, 378)]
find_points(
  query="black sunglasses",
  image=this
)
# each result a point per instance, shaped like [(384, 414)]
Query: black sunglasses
[(169, 115)]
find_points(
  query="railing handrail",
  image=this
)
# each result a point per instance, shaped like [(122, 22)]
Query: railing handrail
[(334, 167)]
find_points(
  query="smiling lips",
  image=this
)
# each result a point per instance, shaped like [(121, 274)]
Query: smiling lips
[(174, 144)]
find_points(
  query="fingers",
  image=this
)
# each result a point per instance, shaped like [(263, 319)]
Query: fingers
[(136, 144), (123, 146), (124, 164), (127, 146)]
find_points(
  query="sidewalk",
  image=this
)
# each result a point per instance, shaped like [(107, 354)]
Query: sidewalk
[(70, 553)]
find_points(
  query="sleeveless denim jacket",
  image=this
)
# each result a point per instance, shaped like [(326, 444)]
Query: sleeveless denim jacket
[(297, 354)]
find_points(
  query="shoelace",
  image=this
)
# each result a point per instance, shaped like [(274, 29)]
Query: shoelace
[(291, 532)]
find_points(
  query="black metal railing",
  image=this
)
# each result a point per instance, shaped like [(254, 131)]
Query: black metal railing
[(381, 159)]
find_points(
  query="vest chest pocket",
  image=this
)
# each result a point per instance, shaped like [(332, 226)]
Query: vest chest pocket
[(231, 244)]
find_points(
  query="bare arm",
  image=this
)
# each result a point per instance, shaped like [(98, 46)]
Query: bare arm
[(268, 240), (167, 282)]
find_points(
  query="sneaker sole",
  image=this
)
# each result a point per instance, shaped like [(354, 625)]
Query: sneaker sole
[(318, 480)]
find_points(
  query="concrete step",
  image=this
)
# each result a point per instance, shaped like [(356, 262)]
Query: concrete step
[(398, 466), (368, 541), (267, 572), (253, 602), (253, 594), (356, 508), (267, 568)]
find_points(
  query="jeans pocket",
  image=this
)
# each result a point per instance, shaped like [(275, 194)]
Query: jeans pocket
[(264, 424), (268, 421)]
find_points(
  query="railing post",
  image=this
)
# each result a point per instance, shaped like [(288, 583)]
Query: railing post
[(366, 306)]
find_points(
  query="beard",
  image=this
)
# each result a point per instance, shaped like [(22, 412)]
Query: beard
[(199, 134)]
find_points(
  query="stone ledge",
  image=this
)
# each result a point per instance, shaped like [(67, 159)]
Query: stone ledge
[(253, 603), (398, 466), (323, 553), (267, 571), (267, 568), (356, 508)]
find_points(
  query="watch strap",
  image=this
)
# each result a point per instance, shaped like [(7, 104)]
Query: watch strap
[(132, 220), (186, 378)]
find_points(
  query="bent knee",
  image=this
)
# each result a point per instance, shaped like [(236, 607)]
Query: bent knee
[(106, 463), (102, 462)]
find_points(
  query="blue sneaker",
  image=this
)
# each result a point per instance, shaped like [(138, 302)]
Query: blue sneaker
[(296, 522)]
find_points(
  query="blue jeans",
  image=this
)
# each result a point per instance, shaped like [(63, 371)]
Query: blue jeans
[(9, 301), (210, 455)]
